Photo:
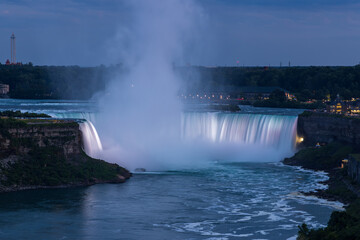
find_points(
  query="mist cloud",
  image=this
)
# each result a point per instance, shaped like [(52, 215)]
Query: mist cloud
[(140, 112)]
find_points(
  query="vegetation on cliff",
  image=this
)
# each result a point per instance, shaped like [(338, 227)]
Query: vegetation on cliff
[(48, 154), (323, 158), (19, 114), (342, 225), (49, 167)]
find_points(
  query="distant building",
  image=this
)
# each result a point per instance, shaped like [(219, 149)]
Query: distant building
[(338, 106), (354, 107), (4, 89)]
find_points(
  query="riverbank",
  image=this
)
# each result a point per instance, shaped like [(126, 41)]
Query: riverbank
[(342, 225)]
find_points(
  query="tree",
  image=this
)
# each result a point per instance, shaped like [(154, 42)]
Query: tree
[(278, 96)]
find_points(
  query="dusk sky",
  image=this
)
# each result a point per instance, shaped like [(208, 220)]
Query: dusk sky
[(253, 32)]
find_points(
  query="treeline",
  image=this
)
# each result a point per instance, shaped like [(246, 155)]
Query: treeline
[(73, 82), (55, 82), (305, 82), (19, 114)]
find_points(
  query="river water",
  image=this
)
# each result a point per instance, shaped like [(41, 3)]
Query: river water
[(225, 200)]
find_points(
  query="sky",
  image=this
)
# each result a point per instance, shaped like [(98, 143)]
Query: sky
[(229, 32)]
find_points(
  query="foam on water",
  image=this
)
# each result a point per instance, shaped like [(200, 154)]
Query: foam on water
[(276, 210)]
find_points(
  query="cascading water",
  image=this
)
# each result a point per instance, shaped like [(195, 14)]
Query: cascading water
[(271, 130), (241, 137), (91, 140), (207, 135)]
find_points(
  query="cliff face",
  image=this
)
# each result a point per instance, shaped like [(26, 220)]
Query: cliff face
[(24, 138), (49, 154), (326, 128), (354, 167)]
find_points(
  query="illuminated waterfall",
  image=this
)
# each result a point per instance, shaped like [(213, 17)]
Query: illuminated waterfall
[(91, 140), (276, 131), (239, 137)]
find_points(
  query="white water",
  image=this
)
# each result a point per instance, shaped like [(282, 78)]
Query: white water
[(206, 136), (252, 129), (91, 140)]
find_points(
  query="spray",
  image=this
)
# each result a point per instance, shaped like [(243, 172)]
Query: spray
[(140, 114)]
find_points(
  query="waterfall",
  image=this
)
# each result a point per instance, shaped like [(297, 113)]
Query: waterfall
[(91, 140), (271, 131), (218, 135)]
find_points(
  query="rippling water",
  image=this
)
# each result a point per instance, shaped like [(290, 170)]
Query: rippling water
[(222, 201), (227, 201)]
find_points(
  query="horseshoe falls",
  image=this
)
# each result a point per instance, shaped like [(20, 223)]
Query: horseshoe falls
[(240, 137), (253, 131), (229, 137)]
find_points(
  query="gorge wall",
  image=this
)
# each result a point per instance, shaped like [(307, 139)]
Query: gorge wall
[(326, 128), (22, 137)]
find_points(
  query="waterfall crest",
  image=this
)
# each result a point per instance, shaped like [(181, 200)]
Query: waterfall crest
[(91, 140), (274, 131), (89, 116)]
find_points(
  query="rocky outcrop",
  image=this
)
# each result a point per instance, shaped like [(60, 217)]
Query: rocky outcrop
[(61, 134), (326, 128), (47, 154)]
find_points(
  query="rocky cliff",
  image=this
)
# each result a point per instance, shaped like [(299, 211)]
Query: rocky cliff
[(354, 167), (24, 136), (48, 153), (326, 128)]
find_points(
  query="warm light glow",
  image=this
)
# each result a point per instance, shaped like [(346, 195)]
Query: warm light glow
[(299, 139)]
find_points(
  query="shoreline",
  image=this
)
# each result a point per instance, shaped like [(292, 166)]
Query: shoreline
[(335, 176), (343, 223)]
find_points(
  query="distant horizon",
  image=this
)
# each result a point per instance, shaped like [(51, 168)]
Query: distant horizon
[(252, 33)]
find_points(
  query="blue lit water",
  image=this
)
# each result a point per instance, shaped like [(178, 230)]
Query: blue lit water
[(223, 201)]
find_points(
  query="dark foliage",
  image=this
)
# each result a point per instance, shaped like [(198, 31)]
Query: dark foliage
[(341, 226), (305, 82), (73, 82), (323, 158), (18, 114), (50, 82), (48, 167)]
